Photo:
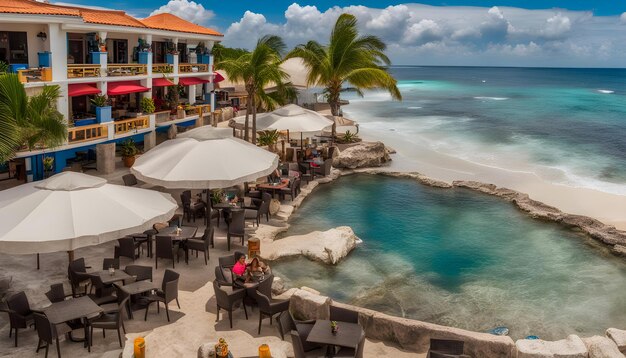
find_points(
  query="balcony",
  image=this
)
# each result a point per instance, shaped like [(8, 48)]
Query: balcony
[(35, 75), (124, 69), (193, 67), (162, 68), (86, 133), (82, 71), (131, 124)]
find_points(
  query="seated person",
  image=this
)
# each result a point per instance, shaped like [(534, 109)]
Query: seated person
[(239, 270), (256, 270), (274, 177)]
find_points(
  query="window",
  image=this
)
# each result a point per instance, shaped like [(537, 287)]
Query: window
[(13, 47)]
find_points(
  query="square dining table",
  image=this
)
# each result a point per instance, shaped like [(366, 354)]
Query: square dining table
[(75, 308), (348, 334), (186, 232), (137, 288), (107, 278)]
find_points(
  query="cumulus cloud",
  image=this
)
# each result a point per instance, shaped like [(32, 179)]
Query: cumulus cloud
[(188, 10), (456, 34)]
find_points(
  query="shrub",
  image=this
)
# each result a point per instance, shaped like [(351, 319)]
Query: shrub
[(128, 148), (100, 100), (147, 105)]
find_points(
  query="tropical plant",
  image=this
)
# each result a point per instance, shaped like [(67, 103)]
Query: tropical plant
[(200, 48), (13, 103), (268, 137), (48, 163), (348, 58), (4, 67), (220, 52), (100, 100), (349, 137), (147, 105), (44, 125), (128, 148), (257, 70)]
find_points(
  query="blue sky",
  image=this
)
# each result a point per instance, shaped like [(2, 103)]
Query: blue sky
[(572, 33)]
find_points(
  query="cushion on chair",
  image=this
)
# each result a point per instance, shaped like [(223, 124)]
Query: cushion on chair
[(303, 332)]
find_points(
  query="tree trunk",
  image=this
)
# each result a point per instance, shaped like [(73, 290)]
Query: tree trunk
[(247, 122), (253, 120)]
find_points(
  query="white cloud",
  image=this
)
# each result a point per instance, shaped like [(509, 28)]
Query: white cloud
[(188, 10), (456, 34)]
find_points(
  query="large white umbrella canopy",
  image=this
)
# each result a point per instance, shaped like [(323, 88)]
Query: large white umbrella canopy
[(204, 158), (73, 210), (292, 118)]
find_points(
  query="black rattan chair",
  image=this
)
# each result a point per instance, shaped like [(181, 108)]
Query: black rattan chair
[(48, 333), (79, 278), (57, 293), (226, 301), (127, 247), (109, 262), (142, 272), (129, 180), (191, 209), (167, 293), (343, 315), (269, 307), (446, 348), (112, 320), (292, 190), (165, 249), (202, 243), (20, 314), (236, 226)]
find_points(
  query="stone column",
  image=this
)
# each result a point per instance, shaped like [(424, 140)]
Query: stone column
[(149, 141), (105, 153)]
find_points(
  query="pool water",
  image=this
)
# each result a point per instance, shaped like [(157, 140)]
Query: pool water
[(459, 258)]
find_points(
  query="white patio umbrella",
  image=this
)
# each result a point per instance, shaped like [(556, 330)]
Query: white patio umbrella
[(72, 210), (204, 158), (292, 118)]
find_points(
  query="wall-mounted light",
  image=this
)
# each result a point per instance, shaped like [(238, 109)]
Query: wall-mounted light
[(42, 35)]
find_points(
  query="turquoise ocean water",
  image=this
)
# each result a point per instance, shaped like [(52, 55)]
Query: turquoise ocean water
[(565, 125), (460, 258)]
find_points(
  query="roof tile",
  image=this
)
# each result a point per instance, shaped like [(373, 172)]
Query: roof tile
[(171, 22)]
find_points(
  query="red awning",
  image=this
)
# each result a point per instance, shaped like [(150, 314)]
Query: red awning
[(82, 89), (161, 82), (125, 87), (189, 81), (218, 78)]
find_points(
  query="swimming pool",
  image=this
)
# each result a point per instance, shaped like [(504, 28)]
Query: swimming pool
[(459, 258)]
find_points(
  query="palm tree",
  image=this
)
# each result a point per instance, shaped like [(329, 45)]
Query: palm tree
[(32, 121), (13, 103), (257, 70), (348, 58)]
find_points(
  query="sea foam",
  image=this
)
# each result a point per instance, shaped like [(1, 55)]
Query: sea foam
[(603, 91), (492, 98)]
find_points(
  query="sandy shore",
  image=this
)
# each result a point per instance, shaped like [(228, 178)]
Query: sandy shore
[(412, 156)]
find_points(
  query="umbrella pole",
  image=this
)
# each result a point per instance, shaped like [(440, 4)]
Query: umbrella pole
[(70, 255), (37, 261)]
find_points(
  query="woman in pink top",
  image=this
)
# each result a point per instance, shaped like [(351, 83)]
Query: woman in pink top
[(240, 265)]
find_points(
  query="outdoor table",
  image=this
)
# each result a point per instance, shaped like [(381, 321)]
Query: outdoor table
[(273, 187), (186, 232), (69, 310), (227, 207), (107, 278), (137, 288), (348, 334)]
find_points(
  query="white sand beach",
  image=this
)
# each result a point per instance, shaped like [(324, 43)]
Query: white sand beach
[(413, 156)]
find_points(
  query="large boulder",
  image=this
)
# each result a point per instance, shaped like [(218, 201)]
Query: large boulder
[(570, 347), (327, 246), (602, 347), (619, 337), (362, 155)]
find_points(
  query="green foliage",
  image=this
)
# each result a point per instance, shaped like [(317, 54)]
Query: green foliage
[(44, 126), (268, 137), (13, 103), (349, 137), (4, 67), (348, 58), (100, 100), (220, 52), (216, 196), (147, 105), (257, 70), (48, 163), (128, 148)]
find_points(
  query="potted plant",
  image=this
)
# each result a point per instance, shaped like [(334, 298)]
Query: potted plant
[(144, 49), (129, 150), (103, 108), (269, 139), (172, 52), (334, 327), (147, 105), (48, 166)]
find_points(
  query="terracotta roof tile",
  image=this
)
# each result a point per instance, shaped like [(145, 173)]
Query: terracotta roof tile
[(109, 17), (171, 22), (34, 8)]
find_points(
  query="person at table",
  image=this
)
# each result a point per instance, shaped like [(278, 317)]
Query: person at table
[(256, 270), (274, 177), (239, 270)]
